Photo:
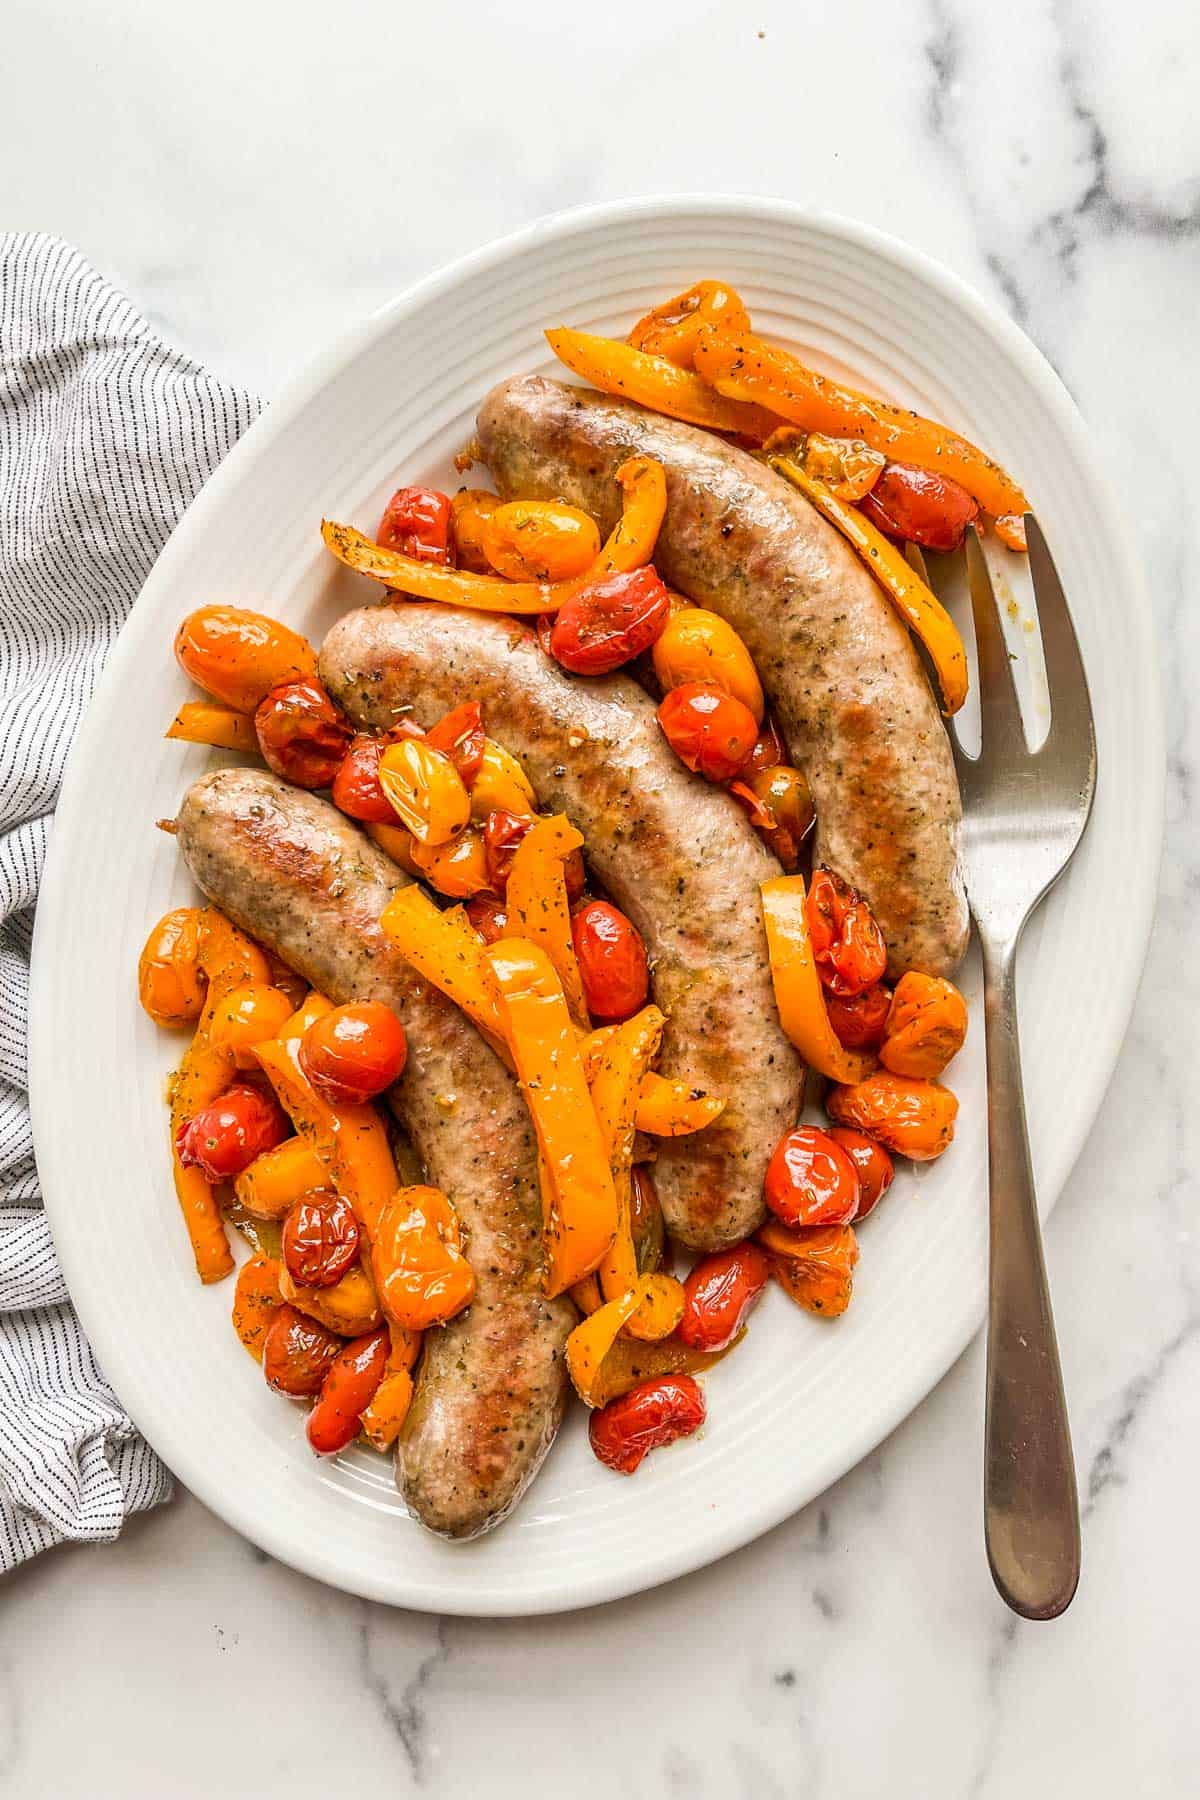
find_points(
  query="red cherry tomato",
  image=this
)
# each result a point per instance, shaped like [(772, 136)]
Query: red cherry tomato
[(710, 731), (502, 832), (847, 944), (655, 1412), (297, 1352), (347, 1391), (460, 736), (224, 1137), (356, 789), (769, 752), (301, 733), (719, 1294), (488, 917), (609, 622), (875, 1167), (919, 507), (354, 1052), (416, 521), (859, 1019), (612, 961), (320, 1240), (811, 1180)]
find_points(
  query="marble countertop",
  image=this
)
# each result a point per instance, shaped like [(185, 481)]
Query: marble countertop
[(256, 178)]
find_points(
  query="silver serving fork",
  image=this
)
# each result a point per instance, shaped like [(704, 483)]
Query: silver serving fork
[(1023, 816)]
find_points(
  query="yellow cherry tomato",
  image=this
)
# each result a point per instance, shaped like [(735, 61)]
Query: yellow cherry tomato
[(540, 540), (248, 1015), (501, 785), (698, 645), (457, 869), (470, 510), (170, 979), (425, 790)]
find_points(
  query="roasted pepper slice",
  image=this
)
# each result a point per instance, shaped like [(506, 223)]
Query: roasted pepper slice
[(205, 722), (798, 992), (203, 1075), (623, 1059), (441, 947), (421, 1273), (350, 1141), (537, 905), (658, 383), (673, 328)]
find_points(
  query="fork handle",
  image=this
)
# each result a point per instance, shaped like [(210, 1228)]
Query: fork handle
[(1031, 1508)]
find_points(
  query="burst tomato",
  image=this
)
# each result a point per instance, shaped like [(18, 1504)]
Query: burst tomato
[(416, 521), (460, 736), (655, 1412), (354, 1052), (859, 1019), (811, 1180), (356, 789), (875, 1167), (719, 1294), (320, 1240), (911, 1118), (502, 832), (225, 1136), (612, 961), (488, 917), (919, 507), (301, 733), (847, 944), (709, 731), (348, 1389), (297, 1352), (610, 621)]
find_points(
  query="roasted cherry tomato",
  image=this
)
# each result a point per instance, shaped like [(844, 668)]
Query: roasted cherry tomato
[(698, 646), (460, 736), (356, 789), (859, 1019), (416, 521), (610, 621), (320, 1239), (471, 509), (709, 731), (540, 540), (171, 983), (654, 1412), (780, 808), (238, 656), (502, 832), (248, 1015), (926, 1026), (811, 1180), (910, 1118), (919, 507), (612, 961), (421, 1275), (297, 1352), (225, 1136), (301, 733), (769, 752), (847, 944), (488, 917), (875, 1167), (720, 1293), (347, 1391), (354, 1052), (815, 1268)]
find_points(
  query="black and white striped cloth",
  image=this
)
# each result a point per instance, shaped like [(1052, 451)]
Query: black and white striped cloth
[(105, 436)]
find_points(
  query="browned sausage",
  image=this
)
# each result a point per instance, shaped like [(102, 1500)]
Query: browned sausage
[(677, 854), (839, 668), (291, 870)]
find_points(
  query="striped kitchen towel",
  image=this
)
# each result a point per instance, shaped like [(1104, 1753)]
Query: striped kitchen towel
[(105, 436)]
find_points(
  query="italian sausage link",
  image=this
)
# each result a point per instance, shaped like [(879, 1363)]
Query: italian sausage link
[(290, 869), (675, 853), (839, 668)]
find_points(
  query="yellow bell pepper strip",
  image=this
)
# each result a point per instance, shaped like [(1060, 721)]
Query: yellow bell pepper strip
[(256, 1298), (798, 991), (674, 1108), (848, 466), (628, 1362), (421, 1273), (448, 956), (657, 383), (425, 790), (203, 1076), (274, 1182), (592, 1341), (537, 1024), (672, 329), (745, 368), (351, 1142), (313, 1007), (631, 542), (623, 1060), (1010, 529), (228, 959), (591, 1049), (351, 1306), (587, 1296), (204, 722), (917, 605), (380, 1423), (537, 904), (501, 784), (660, 1311)]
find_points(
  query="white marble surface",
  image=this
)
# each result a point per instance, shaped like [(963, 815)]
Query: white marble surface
[(257, 176)]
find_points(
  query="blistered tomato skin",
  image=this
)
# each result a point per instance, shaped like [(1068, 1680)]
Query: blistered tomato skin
[(320, 1240), (859, 1020), (416, 521), (700, 646), (847, 944), (612, 961), (170, 983), (609, 622), (709, 731), (354, 1052), (239, 656), (909, 1117), (224, 1137), (875, 1167), (719, 1295), (347, 1391), (919, 506), (297, 1352), (488, 917), (356, 789), (811, 1181), (502, 832), (460, 736), (656, 1412), (301, 734), (540, 540)]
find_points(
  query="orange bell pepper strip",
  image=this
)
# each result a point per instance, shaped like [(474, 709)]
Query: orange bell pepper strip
[(537, 904), (745, 368), (351, 1306), (274, 1181), (631, 542), (256, 1298), (203, 1075), (421, 1273), (442, 949), (657, 383), (381, 1422), (350, 1142), (672, 329), (917, 605), (623, 1060), (314, 1006), (594, 1337), (798, 991), (205, 722), (586, 1294), (582, 1219), (674, 1108)]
